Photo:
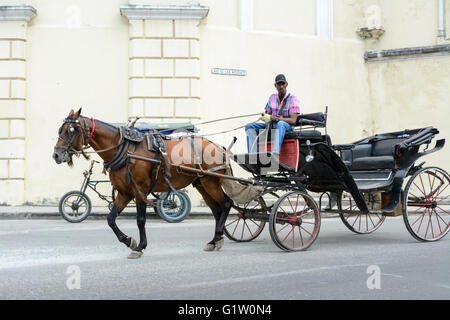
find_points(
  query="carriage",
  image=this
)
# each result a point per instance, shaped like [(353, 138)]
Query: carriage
[(363, 182)]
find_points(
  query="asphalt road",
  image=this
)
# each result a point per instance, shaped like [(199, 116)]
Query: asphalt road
[(42, 259)]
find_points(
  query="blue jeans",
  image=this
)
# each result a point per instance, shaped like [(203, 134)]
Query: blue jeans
[(253, 129)]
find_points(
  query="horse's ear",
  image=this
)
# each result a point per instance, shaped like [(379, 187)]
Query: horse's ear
[(71, 112), (77, 114)]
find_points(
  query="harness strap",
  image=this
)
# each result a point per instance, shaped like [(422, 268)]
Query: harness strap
[(222, 167), (197, 158), (93, 129)]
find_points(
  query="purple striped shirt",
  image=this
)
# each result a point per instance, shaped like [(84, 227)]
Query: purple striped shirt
[(292, 105)]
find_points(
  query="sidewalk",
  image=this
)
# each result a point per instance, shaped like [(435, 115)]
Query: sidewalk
[(37, 212)]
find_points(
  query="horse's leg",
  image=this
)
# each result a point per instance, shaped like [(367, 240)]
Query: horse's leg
[(120, 203), (224, 203), (141, 208), (215, 209)]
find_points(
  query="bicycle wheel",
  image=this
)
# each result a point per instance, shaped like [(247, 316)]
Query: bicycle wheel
[(175, 208), (75, 206)]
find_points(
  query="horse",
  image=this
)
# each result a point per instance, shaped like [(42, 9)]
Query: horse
[(137, 178)]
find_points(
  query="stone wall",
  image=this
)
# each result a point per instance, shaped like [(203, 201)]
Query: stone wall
[(13, 38), (164, 72)]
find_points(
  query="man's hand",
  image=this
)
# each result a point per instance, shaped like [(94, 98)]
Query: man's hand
[(274, 118), (265, 117)]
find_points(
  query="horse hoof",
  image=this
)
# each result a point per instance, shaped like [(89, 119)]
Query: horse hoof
[(219, 244), (214, 245), (209, 247), (133, 244), (135, 255)]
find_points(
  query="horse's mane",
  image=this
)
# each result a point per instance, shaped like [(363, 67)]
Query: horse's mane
[(107, 124), (110, 126)]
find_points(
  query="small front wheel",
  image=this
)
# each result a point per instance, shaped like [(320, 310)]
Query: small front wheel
[(75, 206), (294, 222), (241, 226), (356, 220), (175, 208)]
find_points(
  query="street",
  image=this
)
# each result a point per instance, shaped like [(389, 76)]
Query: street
[(40, 258)]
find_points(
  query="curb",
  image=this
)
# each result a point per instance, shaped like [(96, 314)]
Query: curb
[(51, 212)]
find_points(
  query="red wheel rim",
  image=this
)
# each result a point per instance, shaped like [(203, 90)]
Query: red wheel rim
[(296, 222), (240, 228), (360, 222), (427, 208)]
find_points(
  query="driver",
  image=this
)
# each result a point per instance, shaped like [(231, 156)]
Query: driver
[(282, 109)]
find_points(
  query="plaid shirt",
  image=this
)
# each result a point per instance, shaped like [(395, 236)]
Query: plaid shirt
[(291, 103)]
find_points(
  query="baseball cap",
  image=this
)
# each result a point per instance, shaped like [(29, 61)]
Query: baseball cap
[(280, 78)]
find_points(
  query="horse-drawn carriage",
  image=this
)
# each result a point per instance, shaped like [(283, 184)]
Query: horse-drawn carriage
[(363, 182)]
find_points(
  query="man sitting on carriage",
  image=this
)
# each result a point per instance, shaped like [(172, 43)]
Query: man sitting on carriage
[(281, 110)]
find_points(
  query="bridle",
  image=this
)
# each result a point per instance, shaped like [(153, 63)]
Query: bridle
[(87, 134), (74, 127)]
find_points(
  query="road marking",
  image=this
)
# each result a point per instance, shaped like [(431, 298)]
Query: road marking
[(271, 275), (392, 275), (51, 261)]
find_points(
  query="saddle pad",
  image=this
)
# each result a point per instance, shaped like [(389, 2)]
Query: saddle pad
[(131, 135)]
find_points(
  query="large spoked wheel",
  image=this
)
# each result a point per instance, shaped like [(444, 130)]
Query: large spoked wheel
[(294, 222), (426, 204), (243, 226), (356, 220), (175, 208), (74, 206)]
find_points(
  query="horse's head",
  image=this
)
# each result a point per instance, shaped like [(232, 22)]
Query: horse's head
[(71, 139)]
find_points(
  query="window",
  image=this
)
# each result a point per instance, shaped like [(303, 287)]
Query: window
[(324, 19)]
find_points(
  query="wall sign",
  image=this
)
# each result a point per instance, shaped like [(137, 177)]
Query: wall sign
[(229, 72)]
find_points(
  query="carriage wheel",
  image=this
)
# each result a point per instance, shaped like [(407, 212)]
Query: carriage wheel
[(242, 228), (426, 204), (75, 206), (294, 222), (358, 221)]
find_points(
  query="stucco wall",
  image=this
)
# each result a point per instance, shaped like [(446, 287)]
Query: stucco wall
[(412, 94), (78, 57), (407, 23)]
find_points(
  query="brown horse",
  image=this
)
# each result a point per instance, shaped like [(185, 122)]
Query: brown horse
[(134, 180)]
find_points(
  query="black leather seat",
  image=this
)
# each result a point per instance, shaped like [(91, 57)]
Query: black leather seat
[(371, 156), (302, 134), (373, 163)]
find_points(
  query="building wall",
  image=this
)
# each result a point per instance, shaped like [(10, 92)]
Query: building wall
[(415, 92), (83, 54), (407, 23), (78, 58)]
